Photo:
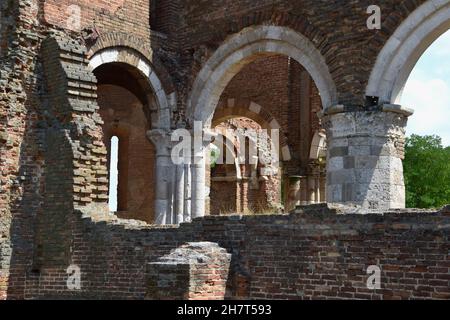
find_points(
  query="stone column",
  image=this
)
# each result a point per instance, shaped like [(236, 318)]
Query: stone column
[(323, 189), (317, 188), (164, 176), (179, 193), (187, 192), (312, 189), (303, 191), (365, 152), (293, 190), (198, 191), (198, 184)]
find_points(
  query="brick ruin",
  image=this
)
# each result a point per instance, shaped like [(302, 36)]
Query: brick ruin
[(74, 74)]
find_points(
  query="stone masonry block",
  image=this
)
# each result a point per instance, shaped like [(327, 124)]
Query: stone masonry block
[(194, 271)]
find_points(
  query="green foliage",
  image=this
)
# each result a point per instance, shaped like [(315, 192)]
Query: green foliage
[(214, 155), (427, 172)]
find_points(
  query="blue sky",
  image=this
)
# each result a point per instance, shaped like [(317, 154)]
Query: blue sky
[(428, 92)]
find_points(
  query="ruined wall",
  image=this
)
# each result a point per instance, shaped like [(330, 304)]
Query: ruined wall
[(21, 158), (286, 93), (106, 16), (310, 254), (265, 82), (243, 187), (53, 160), (288, 99), (51, 150)]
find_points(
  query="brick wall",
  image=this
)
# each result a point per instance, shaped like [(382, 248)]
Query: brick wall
[(250, 190), (338, 29), (21, 157), (107, 16), (282, 87), (32, 134), (265, 82), (314, 253)]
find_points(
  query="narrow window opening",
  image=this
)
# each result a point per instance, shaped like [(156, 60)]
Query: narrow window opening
[(114, 175)]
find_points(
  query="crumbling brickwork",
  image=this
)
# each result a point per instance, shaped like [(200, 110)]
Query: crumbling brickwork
[(312, 254), (194, 271), (191, 60)]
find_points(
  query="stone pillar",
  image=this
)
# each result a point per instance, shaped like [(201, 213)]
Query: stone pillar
[(164, 176), (187, 192), (303, 191), (198, 185), (179, 193), (323, 189), (317, 188), (198, 192), (293, 190), (312, 189), (365, 152)]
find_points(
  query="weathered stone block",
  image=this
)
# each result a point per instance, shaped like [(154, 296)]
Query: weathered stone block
[(194, 271)]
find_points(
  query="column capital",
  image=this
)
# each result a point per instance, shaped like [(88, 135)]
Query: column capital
[(386, 107), (161, 140), (202, 140), (396, 108)]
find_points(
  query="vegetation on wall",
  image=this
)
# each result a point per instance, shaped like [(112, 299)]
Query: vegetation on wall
[(427, 172)]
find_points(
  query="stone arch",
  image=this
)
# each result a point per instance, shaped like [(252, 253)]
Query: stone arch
[(243, 48), (126, 40), (257, 113), (405, 47), (161, 116)]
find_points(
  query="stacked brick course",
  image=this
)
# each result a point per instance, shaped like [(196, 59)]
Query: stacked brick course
[(314, 253)]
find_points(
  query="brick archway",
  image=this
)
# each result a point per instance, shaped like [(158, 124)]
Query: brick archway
[(139, 45), (405, 47), (252, 110), (245, 47), (160, 117)]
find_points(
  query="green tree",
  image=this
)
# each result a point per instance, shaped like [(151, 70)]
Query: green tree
[(427, 172)]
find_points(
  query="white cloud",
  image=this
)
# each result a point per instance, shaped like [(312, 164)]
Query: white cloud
[(428, 92), (431, 101)]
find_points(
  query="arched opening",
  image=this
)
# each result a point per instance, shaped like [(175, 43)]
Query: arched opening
[(404, 48), (247, 46), (427, 152), (272, 93), (244, 178), (240, 51), (126, 100), (412, 46), (428, 91)]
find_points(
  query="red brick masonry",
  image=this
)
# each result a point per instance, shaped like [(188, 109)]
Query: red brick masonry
[(313, 254)]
